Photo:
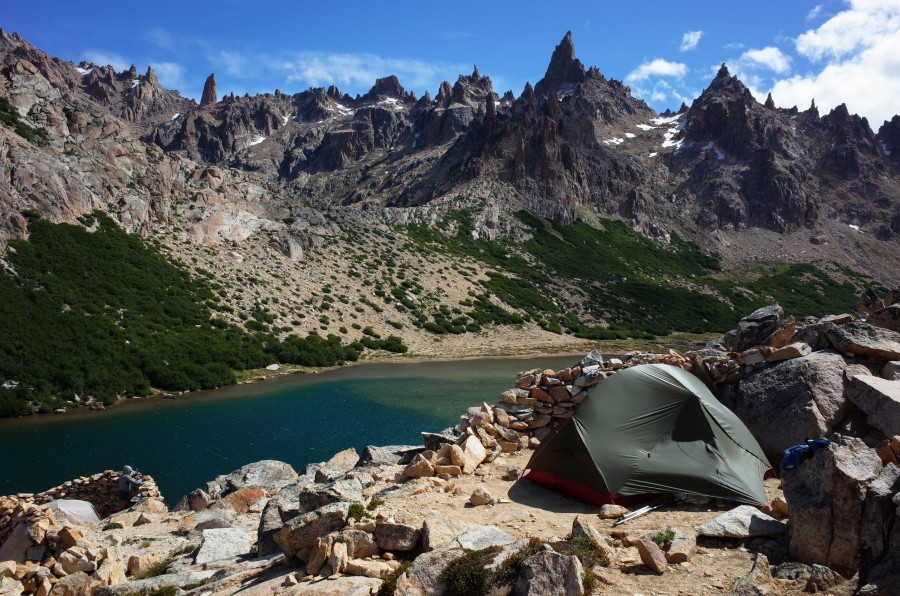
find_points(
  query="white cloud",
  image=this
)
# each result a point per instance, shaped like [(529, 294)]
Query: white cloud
[(815, 13), (861, 50), (231, 63), (657, 68), (170, 74), (160, 37), (769, 57), (101, 58), (852, 31), (361, 70), (690, 40)]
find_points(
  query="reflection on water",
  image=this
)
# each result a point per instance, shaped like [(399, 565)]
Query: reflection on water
[(298, 419)]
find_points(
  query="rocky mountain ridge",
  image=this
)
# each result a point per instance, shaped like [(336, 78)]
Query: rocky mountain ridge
[(575, 140)]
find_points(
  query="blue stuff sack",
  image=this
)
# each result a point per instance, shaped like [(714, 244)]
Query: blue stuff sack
[(794, 456)]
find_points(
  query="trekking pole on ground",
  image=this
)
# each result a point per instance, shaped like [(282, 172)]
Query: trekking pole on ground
[(638, 513)]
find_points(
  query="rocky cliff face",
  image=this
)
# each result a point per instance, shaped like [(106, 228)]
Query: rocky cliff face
[(574, 141)]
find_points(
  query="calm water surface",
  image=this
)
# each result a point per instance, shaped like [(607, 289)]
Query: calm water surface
[(299, 419)]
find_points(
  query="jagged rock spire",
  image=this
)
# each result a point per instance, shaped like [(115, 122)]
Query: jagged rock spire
[(770, 103), (564, 67), (210, 95), (150, 77)]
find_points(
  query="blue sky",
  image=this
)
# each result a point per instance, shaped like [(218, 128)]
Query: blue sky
[(834, 50)]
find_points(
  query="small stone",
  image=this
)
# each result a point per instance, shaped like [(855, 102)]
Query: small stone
[(651, 555), (481, 496), (612, 511)]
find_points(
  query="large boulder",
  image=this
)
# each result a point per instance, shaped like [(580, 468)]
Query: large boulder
[(339, 464), (828, 498), (280, 509), (879, 399), (784, 404), (743, 522), (866, 340), (268, 474), (888, 317), (301, 532), (397, 537), (754, 329), (222, 543), (374, 455), (313, 496), (348, 585), (548, 573)]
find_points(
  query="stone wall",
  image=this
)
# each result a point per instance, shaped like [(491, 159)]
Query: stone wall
[(100, 490)]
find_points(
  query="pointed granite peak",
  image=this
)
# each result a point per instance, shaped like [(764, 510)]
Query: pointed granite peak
[(387, 87), (150, 77), (564, 68), (210, 94), (770, 103), (723, 72), (475, 74)]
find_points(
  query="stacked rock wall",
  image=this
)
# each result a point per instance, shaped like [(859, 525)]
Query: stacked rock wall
[(100, 490)]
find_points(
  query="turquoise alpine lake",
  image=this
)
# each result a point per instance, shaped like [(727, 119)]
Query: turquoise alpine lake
[(299, 419)]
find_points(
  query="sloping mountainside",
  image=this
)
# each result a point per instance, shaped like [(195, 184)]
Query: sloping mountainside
[(470, 222)]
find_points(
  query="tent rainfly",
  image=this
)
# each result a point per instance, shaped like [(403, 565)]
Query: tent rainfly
[(74, 510), (648, 429)]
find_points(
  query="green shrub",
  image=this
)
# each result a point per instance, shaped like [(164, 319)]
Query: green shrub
[(587, 551), (389, 586), (356, 511), (468, 575), (664, 538), (154, 570), (112, 526), (509, 569)]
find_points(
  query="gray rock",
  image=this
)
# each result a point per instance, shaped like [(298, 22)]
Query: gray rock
[(682, 549), (821, 579), (743, 522), (389, 454), (884, 578), (548, 573), (879, 511), (758, 582), (581, 527), (433, 441), (348, 585), (879, 399), (270, 475), (483, 537), (422, 576), (440, 531), (393, 536), (755, 328), (339, 464), (280, 509), (312, 496), (651, 555), (784, 404), (866, 340), (827, 496), (791, 570), (16, 545), (302, 531), (210, 520), (360, 544), (888, 317), (169, 580), (891, 371), (222, 543)]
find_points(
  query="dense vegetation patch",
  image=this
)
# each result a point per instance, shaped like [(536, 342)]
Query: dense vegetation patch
[(620, 283), (99, 313), (10, 117)]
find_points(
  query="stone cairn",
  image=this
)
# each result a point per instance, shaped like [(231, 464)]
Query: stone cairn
[(100, 490)]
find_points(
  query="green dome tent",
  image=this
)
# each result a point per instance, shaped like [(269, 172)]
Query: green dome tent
[(650, 429)]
